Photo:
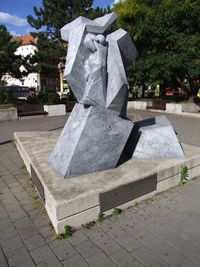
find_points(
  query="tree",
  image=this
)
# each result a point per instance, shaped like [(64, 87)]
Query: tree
[(167, 36), (50, 18), (55, 14), (9, 62)]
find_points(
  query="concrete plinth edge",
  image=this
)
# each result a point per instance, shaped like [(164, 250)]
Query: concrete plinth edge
[(78, 200)]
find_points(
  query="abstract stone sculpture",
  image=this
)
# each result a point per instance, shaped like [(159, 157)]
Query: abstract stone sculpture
[(97, 135)]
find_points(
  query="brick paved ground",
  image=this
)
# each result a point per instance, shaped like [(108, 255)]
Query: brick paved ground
[(164, 231)]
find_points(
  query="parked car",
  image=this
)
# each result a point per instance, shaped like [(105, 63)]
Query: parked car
[(174, 91), (64, 94), (19, 92)]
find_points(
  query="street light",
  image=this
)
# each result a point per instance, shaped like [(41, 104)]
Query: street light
[(61, 67)]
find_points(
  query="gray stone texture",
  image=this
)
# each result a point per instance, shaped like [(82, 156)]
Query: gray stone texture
[(81, 35), (157, 140), (88, 137), (98, 135), (95, 136), (121, 52)]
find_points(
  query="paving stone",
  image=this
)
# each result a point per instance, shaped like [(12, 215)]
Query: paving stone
[(3, 215), (12, 207), (112, 230), (34, 242), (108, 245), (23, 197), (140, 233), (7, 233), (28, 232), (9, 201), (149, 258), (77, 238), (47, 231), (44, 255), (2, 258), (122, 258), (75, 261), (5, 194), (8, 179), (87, 249), (15, 185), (170, 254), (19, 257), (41, 221), (22, 223), (129, 242), (29, 207), (12, 244), (17, 214), (100, 259), (47, 263), (62, 249), (95, 233), (183, 245), (34, 214), (4, 264)]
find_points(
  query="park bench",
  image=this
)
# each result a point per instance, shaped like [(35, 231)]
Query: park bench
[(30, 110), (158, 104)]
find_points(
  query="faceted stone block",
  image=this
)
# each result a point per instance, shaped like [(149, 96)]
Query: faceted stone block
[(121, 52), (157, 140), (92, 140)]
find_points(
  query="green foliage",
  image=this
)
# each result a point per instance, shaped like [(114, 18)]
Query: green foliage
[(116, 211), (70, 97), (32, 100), (167, 36), (13, 143), (51, 17), (5, 97), (183, 174), (43, 97), (53, 98), (9, 62), (34, 195), (68, 231), (100, 217), (53, 14)]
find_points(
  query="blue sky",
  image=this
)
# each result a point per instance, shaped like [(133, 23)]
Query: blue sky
[(13, 13)]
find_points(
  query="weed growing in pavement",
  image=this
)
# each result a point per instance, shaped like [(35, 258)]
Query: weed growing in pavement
[(68, 231), (88, 225), (13, 143), (100, 217), (183, 175), (116, 211), (34, 195), (23, 166)]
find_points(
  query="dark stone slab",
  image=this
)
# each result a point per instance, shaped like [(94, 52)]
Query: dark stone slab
[(128, 192), (38, 184)]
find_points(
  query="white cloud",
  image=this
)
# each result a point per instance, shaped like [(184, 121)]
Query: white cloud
[(28, 30), (12, 19), (14, 33)]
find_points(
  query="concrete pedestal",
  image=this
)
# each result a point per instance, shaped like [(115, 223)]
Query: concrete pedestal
[(8, 114), (55, 110), (79, 200)]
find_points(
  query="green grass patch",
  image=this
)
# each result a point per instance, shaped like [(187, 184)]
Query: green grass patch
[(68, 231)]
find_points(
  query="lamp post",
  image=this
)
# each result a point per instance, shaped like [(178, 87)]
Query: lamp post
[(61, 67)]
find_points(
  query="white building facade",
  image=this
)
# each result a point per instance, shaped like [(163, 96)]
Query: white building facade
[(27, 48)]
